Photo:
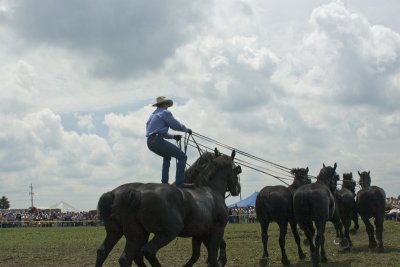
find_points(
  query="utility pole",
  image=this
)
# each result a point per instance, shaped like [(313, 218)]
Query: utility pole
[(31, 193)]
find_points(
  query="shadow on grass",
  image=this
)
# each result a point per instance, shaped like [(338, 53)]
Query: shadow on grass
[(331, 263), (366, 249)]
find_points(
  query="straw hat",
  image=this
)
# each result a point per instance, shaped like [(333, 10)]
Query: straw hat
[(161, 100)]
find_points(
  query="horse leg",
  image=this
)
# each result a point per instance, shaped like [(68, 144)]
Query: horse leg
[(264, 237), (309, 231), (132, 250), (379, 232), (355, 218), (109, 242), (339, 231), (319, 252), (346, 225), (282, 236), (138, 257), (296, 235), (222, 253), (370, 231), (150, 249), (212, 244), (196, 243), (125, 260), (312, 232)]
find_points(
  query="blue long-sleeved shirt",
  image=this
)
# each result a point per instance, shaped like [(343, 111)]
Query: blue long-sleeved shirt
[(160, 121)]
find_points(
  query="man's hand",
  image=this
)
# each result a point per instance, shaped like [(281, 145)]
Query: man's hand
[(177, 137), (189, 131)]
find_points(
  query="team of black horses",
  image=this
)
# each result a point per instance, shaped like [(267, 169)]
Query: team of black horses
[(311, 205), (137, 210)]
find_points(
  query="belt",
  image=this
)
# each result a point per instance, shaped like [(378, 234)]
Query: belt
[(155, 134)]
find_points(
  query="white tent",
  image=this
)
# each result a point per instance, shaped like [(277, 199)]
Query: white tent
[(64, 207)]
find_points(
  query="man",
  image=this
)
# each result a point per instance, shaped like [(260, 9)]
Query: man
[(157, 128)]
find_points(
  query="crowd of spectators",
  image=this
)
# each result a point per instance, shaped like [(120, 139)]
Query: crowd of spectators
[(46, 218), (248, 214), (242, 215), (54, 217), (392, 209)]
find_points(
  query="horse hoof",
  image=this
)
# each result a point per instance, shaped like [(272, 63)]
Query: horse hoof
[(373, 245), (263, 262), (302, 256), (324, 260), (285, 262), (381, 250), (344, 243), (222, 262)]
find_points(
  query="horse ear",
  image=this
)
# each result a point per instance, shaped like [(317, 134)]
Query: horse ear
[(359, 173), (323, 165), (307, 169), (233, 154), (335, 166), (369, 172), (216, 152)]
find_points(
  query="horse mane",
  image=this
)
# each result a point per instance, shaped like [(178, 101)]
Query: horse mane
[(205, 175), (365, 179), (327, 180), (192, 173), (299, 175), (348, 176), (294, 171)]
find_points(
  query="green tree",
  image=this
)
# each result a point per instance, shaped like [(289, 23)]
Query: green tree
[(4, 203)]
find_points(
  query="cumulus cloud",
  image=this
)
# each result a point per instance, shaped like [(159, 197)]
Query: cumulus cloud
[(356, 60), (121, 38)]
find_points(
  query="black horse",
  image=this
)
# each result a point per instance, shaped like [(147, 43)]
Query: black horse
[(350, 184), (275, 204), (191, 176), (346, 205), (316, 203), (371, 202), (135, 210)]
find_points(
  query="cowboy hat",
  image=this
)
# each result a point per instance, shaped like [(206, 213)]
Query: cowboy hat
[(161, 100)]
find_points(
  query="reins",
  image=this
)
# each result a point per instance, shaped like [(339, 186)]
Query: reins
[(277, 171), (274, 170)]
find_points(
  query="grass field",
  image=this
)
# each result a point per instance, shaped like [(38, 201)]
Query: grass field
[(76, 246)]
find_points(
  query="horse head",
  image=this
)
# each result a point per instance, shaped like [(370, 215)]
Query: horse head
[(209, 164), (233, 185), (348, 182), (229, 172), (328, 176), (365, 179), (300, 177)]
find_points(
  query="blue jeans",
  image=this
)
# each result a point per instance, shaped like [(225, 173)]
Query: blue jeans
[(165, 149)]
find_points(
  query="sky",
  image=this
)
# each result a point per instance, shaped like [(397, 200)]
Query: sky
[(297, 83)]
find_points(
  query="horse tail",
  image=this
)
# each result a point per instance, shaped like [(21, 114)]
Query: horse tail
[(105, 205), (134, 199)]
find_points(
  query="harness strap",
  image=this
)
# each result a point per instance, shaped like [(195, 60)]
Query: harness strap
[(197, 145), (186, 142)]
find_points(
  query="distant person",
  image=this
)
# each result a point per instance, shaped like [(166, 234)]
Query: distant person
[(157, 128)]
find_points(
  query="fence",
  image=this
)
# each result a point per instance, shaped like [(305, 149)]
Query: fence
[(49, 223)]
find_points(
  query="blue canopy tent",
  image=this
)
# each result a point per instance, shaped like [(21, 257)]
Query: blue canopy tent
[(246, 202)]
